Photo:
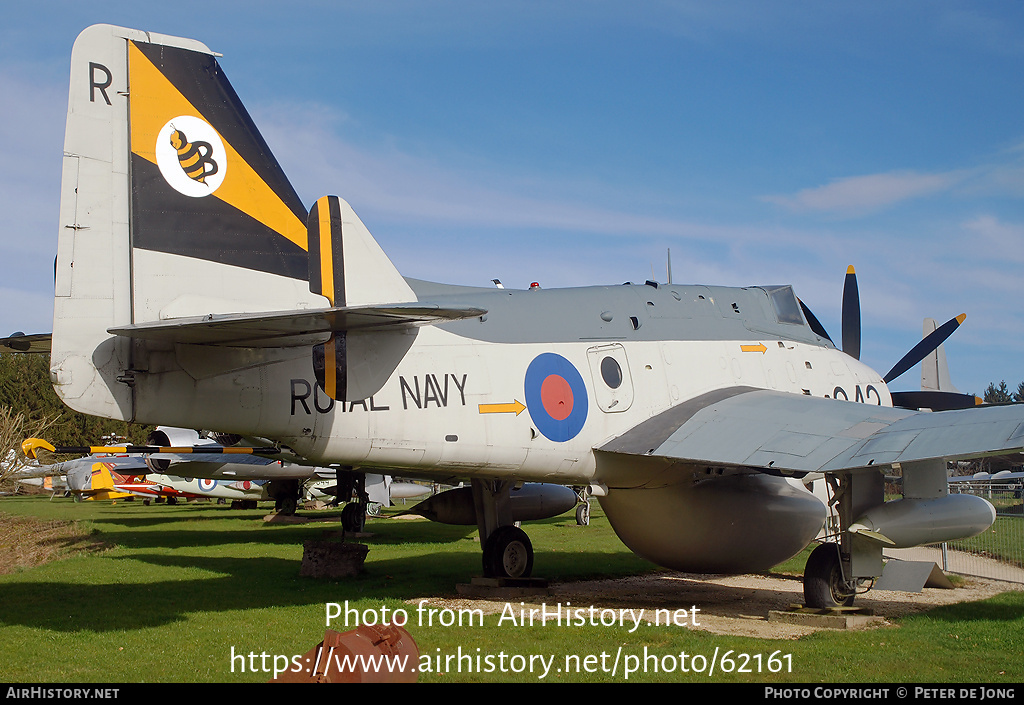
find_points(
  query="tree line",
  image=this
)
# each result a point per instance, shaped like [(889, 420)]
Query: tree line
[(1002, 393), (25, 388)]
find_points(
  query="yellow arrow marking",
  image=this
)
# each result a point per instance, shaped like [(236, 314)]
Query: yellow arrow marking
[(515, 407), (759, 348)]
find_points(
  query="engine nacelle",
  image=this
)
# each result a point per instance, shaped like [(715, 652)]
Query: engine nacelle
[(531, 502), (168, 436), (914, 522)]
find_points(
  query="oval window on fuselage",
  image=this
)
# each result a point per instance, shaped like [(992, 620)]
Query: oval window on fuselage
[(611, 372)]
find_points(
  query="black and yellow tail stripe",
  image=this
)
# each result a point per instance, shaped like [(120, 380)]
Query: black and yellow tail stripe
[(327, 278), (329, 367), (326, 256)]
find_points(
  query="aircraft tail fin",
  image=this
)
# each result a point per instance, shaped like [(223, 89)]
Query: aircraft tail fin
[(99, 484), (101, 477), (173, 208), (346, 265), (172, 204), (934, 369)]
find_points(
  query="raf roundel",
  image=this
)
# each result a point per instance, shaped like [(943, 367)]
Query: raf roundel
[(556, 397), (207, 485)]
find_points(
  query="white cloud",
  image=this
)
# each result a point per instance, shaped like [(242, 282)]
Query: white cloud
[(402, 188), (995, 239), (862, 194)]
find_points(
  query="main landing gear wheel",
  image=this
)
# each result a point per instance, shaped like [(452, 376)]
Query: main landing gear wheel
[(353, 517), (508, 554), (824, 585), (286, 505), (583, 514)]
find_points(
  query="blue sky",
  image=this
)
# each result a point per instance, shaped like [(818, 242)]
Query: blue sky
[(574, 143)]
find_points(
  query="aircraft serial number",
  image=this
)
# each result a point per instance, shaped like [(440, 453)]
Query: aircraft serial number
[(861, 395)]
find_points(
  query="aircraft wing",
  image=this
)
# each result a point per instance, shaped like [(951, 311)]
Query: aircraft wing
[(783, 433), (290, 328), (19, 342), (242, 467), (179, 459)]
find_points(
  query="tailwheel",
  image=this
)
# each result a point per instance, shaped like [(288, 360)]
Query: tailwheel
[(824, 584), (288, 506), (285, 494), (353, 517), (508, 553)]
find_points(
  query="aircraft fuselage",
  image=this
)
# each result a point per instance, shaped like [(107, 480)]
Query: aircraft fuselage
[(525, 391)]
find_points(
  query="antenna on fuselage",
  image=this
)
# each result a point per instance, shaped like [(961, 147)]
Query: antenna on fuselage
[(668, 264)]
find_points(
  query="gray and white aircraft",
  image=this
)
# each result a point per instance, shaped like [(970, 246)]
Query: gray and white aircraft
[(283, 478), (194, 288)]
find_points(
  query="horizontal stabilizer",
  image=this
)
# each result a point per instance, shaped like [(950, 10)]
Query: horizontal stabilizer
[(291, 328), (935, 400)]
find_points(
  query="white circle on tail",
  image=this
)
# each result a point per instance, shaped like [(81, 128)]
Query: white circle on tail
[(191, 156)]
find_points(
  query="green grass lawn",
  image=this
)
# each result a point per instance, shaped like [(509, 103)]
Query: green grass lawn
[(180, 589)]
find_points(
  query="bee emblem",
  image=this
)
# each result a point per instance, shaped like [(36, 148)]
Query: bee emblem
[(191, 156), (194, 157)]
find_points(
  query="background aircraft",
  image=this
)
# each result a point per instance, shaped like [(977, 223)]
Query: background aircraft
[(112, 479), (193, 287)]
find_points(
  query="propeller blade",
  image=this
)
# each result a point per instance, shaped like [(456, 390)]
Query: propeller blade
[(926, 346), (851, 315), (813, 322), (936, 401)]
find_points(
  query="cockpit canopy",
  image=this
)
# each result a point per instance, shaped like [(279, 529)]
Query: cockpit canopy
[(787, 308)]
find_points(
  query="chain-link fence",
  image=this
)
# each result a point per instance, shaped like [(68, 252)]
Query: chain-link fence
[(996, 553), (999, 551)]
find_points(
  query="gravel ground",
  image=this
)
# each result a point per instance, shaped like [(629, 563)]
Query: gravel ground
[(734, 605)]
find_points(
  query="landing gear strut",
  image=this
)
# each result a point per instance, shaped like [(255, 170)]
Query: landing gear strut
[(508, 552), (353, 516), (835, 571)]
